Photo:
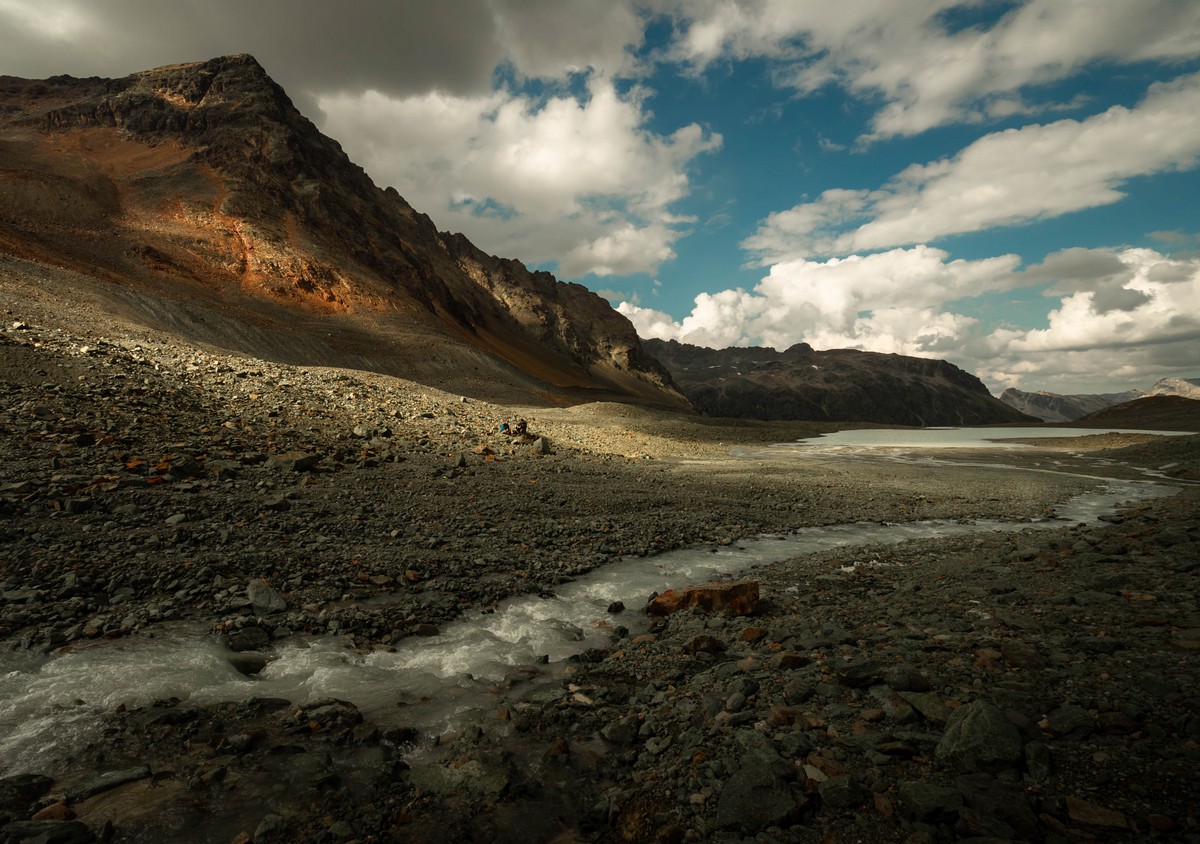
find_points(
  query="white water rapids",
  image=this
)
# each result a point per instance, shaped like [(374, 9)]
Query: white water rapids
[(48, 704)]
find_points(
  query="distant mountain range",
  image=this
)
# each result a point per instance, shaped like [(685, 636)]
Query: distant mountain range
[(1056, 407), (839, 385)]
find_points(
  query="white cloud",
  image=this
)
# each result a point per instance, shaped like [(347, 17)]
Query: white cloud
[(1164, 293), (887, 302), (549, 39), (926, 74), (1123, 318), (52, 22), (1004, 178), (583, 183)]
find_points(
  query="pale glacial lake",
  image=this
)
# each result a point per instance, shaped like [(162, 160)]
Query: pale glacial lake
[(957, 437)]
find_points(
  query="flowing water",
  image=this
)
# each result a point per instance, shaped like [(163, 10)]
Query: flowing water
[(50, 703)]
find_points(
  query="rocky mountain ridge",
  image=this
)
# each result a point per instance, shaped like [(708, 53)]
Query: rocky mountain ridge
[(1154, 413), (1057, 407), (834, 385), (195, 198)]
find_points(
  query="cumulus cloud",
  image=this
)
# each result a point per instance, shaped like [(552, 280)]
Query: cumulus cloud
[(1122, 318), (1159, 295), (887, 302), (926, 72), (580, 182), (1112, 328), (1004, 178), (547, 39)]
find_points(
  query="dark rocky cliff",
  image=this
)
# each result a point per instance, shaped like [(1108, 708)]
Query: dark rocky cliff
[(842, 385)]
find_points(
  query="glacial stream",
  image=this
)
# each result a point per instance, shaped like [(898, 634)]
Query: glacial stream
[(48, 704)]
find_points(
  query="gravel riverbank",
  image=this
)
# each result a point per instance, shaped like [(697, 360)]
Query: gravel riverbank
[(145, 483)]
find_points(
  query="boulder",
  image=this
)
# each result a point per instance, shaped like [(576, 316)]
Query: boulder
[(979, 737), (730, 599), (264, 598), (929, 802), (753, 799), (997, 808)]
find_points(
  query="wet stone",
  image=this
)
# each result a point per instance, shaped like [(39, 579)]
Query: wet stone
[(105, 782), (247, 639)]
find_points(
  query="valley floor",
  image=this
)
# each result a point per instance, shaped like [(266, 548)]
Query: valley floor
[(1007, 687)]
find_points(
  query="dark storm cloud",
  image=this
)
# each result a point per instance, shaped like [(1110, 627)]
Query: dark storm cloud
[(1071, 269), (308, 46)]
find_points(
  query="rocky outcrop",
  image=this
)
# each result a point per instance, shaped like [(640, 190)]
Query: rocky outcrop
[(1159, 413), (202, 184), (841, 385)]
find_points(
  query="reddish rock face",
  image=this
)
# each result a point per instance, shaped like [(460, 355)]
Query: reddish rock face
[(731, 599), (200, 186)]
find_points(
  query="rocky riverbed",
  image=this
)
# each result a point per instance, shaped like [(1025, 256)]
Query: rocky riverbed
[(1006, 687)]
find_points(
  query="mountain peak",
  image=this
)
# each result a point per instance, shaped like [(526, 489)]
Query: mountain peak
[(203, 180)]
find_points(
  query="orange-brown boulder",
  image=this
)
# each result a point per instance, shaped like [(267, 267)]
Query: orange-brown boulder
[(731, 599)]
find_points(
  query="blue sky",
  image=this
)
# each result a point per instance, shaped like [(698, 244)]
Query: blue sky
[(1010, 186)]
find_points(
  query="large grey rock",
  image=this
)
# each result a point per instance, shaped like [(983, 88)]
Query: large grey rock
[(753, 799), (930, 803), (997, 808), (759, 752), (840, 793), (263, 597), (979, 737)]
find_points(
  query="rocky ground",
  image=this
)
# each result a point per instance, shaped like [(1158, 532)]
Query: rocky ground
[(1034, 687)]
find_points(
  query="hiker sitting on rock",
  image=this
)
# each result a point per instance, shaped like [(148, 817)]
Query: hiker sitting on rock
[(521, 427), (504, 429)]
